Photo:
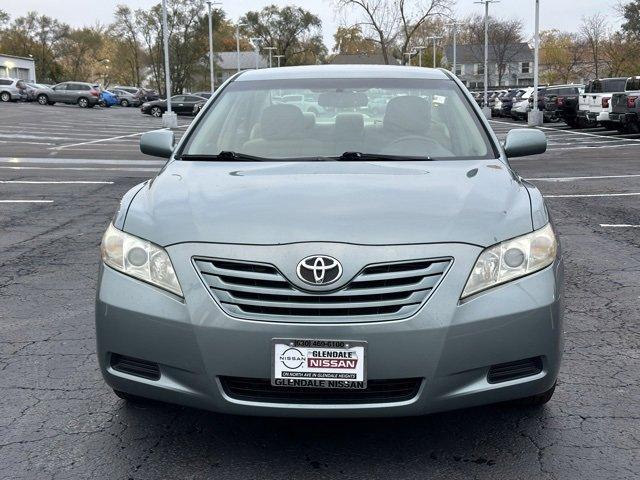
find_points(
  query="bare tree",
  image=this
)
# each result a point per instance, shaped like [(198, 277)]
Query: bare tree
[(594, 31), (393, 23)]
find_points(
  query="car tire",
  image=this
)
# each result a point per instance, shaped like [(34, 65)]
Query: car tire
[(5, 96), (102, 103), (156, 112), (124, 103), (83, 102), (43, 99), (535, 400), (129, 398)]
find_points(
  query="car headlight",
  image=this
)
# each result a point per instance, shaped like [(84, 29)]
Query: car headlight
[(512, 259), (139, 259)]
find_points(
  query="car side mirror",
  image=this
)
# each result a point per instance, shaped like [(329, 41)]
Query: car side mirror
[(157, 143), (521, 142)]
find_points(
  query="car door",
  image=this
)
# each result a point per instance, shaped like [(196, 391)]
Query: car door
[(58, 92), (189, 103), (177, 103)]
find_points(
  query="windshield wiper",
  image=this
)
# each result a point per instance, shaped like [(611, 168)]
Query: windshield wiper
[(224, 156), (359, 156)]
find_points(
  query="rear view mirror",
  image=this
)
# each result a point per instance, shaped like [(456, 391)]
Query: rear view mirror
[(521, 142), (157, 143)]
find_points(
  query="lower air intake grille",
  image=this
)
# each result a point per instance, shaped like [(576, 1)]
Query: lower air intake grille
[(377, 391), (513, 370), (379, 292), (135, 366)]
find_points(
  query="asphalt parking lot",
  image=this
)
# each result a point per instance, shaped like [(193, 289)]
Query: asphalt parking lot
[(62, 173)]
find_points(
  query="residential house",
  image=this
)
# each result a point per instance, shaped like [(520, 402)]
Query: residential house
[(508, 64), (227, 63), (360, 59), (23, 68)]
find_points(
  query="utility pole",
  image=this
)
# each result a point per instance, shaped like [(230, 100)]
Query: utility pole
[(536, 117), (485, 109), (434, 49), (211, 71), (454, 26), (271, 49), (279, 57), (408, 54), (169, 118), (419, 49), (238, 25)]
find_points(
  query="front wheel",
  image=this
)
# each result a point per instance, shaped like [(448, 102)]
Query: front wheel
[(83, 102), (124, 103), (43, 99), (156, 112), (5, 96)]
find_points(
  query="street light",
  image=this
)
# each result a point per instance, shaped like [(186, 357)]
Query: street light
[(238, 25), (408, 54), (255, 42), (169, 118), (536, 117), (455, 31), (486, 110), (211, 72), (271, 49), (434, 49), (419, 49), (279, 57)]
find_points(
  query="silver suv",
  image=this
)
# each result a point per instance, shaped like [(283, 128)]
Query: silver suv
[(80, 93), (12, 89)]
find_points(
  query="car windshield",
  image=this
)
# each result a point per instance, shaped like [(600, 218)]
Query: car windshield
[(324, 118)]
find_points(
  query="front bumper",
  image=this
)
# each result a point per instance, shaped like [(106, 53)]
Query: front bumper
[(449, 344)]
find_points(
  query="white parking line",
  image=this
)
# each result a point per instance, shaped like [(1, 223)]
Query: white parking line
[(100, 140), (585, 195), (572, 179), (26, 201), (113, 169), (620, 225), (56, 182)]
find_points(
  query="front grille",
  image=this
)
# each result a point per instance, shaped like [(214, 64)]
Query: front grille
[(377, 391), (379, 292), (135, 366), (514, 370)]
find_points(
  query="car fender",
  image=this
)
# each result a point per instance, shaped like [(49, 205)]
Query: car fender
[(539, 213), (121, 214)]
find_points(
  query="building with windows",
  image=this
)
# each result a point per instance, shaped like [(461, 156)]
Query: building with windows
[(227, 63), (509, 64), (23, 68)]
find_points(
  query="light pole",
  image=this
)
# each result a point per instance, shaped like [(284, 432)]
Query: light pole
[(408, 54), (485, 109), (238, 25), (169, 118), (535, 116), (434, 48), (419, 49), (455, 31), (271, 49), (211, 71), (255, 41), (279, 57)]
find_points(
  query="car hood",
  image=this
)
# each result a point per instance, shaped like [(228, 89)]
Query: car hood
[(381, 203)]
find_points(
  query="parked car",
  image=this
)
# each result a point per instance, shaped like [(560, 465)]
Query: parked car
[(32, 88), (497, 104), (198, 106), (507, 102), (181, 104), (594, 104), (108, 99), (128, 89), (12, 90), (83, 94), (625, 107), (561, 102), (541, 94), (520, 105), (126, 98), (493, 98), (206, 95), (148, 95), (294, 273)]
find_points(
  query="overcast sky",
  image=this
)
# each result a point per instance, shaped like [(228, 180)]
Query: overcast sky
[(560, 14)]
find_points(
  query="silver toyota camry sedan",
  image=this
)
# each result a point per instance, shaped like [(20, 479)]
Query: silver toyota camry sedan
[(333, 241)]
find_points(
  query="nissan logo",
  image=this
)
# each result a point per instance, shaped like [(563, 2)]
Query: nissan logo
[(319, 270)]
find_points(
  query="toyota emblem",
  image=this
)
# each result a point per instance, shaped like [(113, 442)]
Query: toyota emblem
[(319, 270)]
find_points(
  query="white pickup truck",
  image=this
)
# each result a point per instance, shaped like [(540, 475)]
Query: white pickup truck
[(595, 102)]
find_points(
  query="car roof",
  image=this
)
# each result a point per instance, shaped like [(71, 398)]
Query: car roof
[(342, 71)]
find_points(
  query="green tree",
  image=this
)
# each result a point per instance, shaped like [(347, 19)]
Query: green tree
[(293, 31), (351, 41), (631, 13)]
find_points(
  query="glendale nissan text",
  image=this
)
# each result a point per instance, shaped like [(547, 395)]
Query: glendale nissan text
[(370, 254)]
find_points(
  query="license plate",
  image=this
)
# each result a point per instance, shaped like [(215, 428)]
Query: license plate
[(318, 363)]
